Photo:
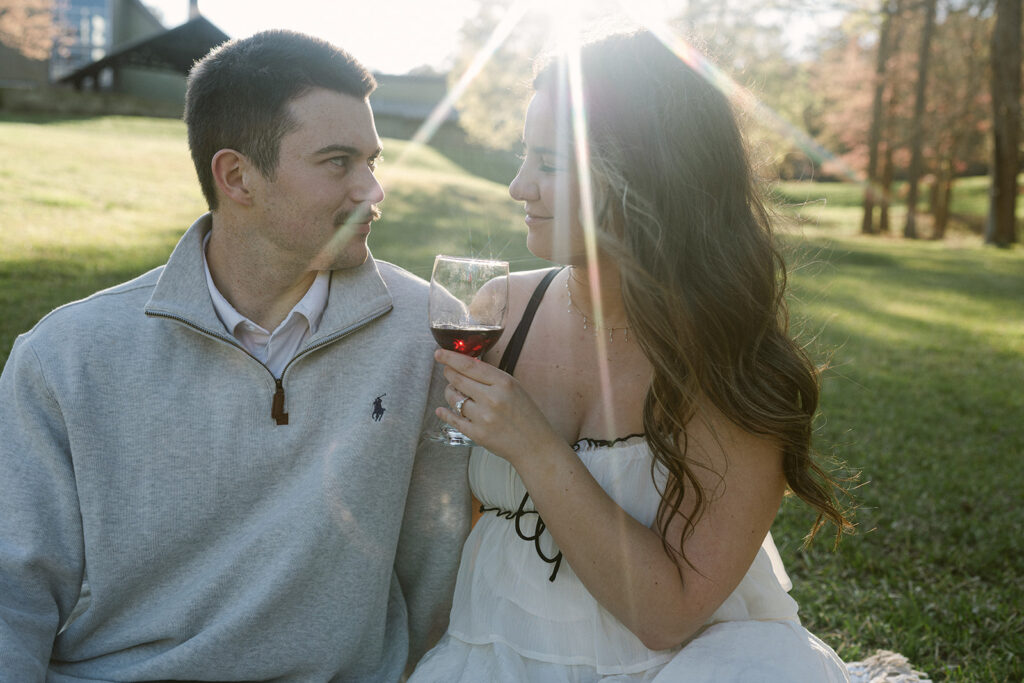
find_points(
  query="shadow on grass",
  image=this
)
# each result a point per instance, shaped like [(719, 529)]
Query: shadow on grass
[(925, 269), (928, 408), (44, 119), (795, 194)]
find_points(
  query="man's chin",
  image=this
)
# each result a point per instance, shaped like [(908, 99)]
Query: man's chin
[(352, 256)]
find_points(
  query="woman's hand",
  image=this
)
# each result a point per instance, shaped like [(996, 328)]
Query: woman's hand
[(496, 412)]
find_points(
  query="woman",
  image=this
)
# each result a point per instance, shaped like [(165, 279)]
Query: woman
[(642, 551)]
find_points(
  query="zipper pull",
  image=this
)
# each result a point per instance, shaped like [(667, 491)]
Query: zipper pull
[(277, 411)]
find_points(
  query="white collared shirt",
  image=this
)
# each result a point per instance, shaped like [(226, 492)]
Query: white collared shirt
[(273, 349)]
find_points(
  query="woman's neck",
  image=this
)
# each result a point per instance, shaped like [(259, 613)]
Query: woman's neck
[(596, 293)]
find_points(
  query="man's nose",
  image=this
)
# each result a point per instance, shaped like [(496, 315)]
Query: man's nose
[(369, 189)]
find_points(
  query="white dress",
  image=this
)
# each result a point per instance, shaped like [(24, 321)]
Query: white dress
[(510, 622)]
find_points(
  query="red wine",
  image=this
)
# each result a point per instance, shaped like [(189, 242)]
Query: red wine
[(472, 341)]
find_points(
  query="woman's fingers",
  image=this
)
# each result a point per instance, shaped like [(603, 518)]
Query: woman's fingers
[(453, 396), (453, 417), (466, 365), (496, 413), (463, 384)]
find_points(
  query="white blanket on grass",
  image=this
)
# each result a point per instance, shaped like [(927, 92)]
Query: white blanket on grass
[(885, 667)]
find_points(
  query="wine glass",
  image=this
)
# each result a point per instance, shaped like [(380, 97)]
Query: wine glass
[(468, 301)]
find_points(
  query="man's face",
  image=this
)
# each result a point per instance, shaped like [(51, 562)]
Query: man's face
[(317, 209)]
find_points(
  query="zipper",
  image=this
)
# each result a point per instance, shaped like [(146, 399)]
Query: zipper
[(277, 412), (277, 408)]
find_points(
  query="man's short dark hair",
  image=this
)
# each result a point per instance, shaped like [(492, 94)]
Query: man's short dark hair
[(238, 95)]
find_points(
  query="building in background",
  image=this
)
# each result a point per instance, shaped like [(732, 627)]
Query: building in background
[(119, 46), (112, 47), (86, 33), (401, 104), (118, 57)]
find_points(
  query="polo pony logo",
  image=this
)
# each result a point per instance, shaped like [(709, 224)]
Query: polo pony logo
[(378, 408)]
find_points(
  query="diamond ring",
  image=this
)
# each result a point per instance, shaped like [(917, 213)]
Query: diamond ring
[(458, 406)]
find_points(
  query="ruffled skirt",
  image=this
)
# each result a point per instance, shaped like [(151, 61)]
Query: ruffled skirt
[(747, 651)]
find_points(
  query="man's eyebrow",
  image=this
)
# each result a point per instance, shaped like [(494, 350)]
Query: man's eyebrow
[(345, 149)]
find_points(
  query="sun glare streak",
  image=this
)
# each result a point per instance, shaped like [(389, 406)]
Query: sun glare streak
[(736, 92), (569, 44), (437, 116), (563, 209)]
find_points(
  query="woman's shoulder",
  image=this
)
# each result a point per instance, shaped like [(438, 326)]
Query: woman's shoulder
[(521, 285), (528, 279)]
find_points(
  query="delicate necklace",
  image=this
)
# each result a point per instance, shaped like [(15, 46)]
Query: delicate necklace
[(573, 308)]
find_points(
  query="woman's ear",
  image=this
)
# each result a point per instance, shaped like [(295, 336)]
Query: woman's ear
[(231, 170)]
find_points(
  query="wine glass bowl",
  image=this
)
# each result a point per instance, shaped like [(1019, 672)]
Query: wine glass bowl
[(467, 306)]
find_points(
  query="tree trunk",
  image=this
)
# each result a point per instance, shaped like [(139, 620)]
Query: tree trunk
[(942, 192), (887, 174), (1006, 113), (910, 230), (875, 134)]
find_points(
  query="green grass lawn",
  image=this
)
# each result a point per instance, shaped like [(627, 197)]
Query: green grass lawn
[(923, 396)]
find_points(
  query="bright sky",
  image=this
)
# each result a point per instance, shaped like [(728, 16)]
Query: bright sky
[(389, 36)]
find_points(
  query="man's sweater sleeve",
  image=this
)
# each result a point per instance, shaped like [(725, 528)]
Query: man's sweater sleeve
[(41, 547), (434, 527)]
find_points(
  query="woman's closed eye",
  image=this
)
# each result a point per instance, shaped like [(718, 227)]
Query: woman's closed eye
[(549, 165)]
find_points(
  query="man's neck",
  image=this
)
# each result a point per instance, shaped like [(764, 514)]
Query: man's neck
[(262, 292)]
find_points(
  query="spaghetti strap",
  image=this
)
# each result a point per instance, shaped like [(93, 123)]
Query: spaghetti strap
[(515, 344)]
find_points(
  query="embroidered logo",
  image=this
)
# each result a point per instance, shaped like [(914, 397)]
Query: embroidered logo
[(378, 408)]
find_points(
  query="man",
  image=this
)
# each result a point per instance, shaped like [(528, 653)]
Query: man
[(216, 471)]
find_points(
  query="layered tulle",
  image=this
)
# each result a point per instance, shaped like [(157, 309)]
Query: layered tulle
[(511, 622)]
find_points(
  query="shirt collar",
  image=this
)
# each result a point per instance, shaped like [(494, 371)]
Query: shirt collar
[(311, 306)]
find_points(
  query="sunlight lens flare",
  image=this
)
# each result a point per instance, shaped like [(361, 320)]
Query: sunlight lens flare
[(438, 115), (737, 93), (345, 228), (566, 23)]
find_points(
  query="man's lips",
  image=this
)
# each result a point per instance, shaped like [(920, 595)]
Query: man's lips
[(534, 218), (358, 221)]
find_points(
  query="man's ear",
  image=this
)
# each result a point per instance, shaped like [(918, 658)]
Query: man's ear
[(231, 171)]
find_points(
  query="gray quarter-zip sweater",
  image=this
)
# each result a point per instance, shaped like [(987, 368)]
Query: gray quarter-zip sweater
[(216, 524)]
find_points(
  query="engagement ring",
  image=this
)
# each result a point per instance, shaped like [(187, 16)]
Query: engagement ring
[(458, 406)]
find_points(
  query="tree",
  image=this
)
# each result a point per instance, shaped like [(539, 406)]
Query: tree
[(841, 71), (959, 113), (491, 107), (748, 46), (890, 8), (951, 127), (28, 27), (895, 117), (783, 114), (910, 230), (1006, 113)]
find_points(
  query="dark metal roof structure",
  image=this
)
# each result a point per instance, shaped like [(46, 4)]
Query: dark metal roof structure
[(175, 50)]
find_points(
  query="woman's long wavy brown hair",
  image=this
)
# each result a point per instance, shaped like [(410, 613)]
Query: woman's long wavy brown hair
[(702, 278)]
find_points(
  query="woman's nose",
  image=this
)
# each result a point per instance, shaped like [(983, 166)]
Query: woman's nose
[(522, 188)]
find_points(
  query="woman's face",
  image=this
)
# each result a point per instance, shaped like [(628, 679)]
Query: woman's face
[(547, 185)]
